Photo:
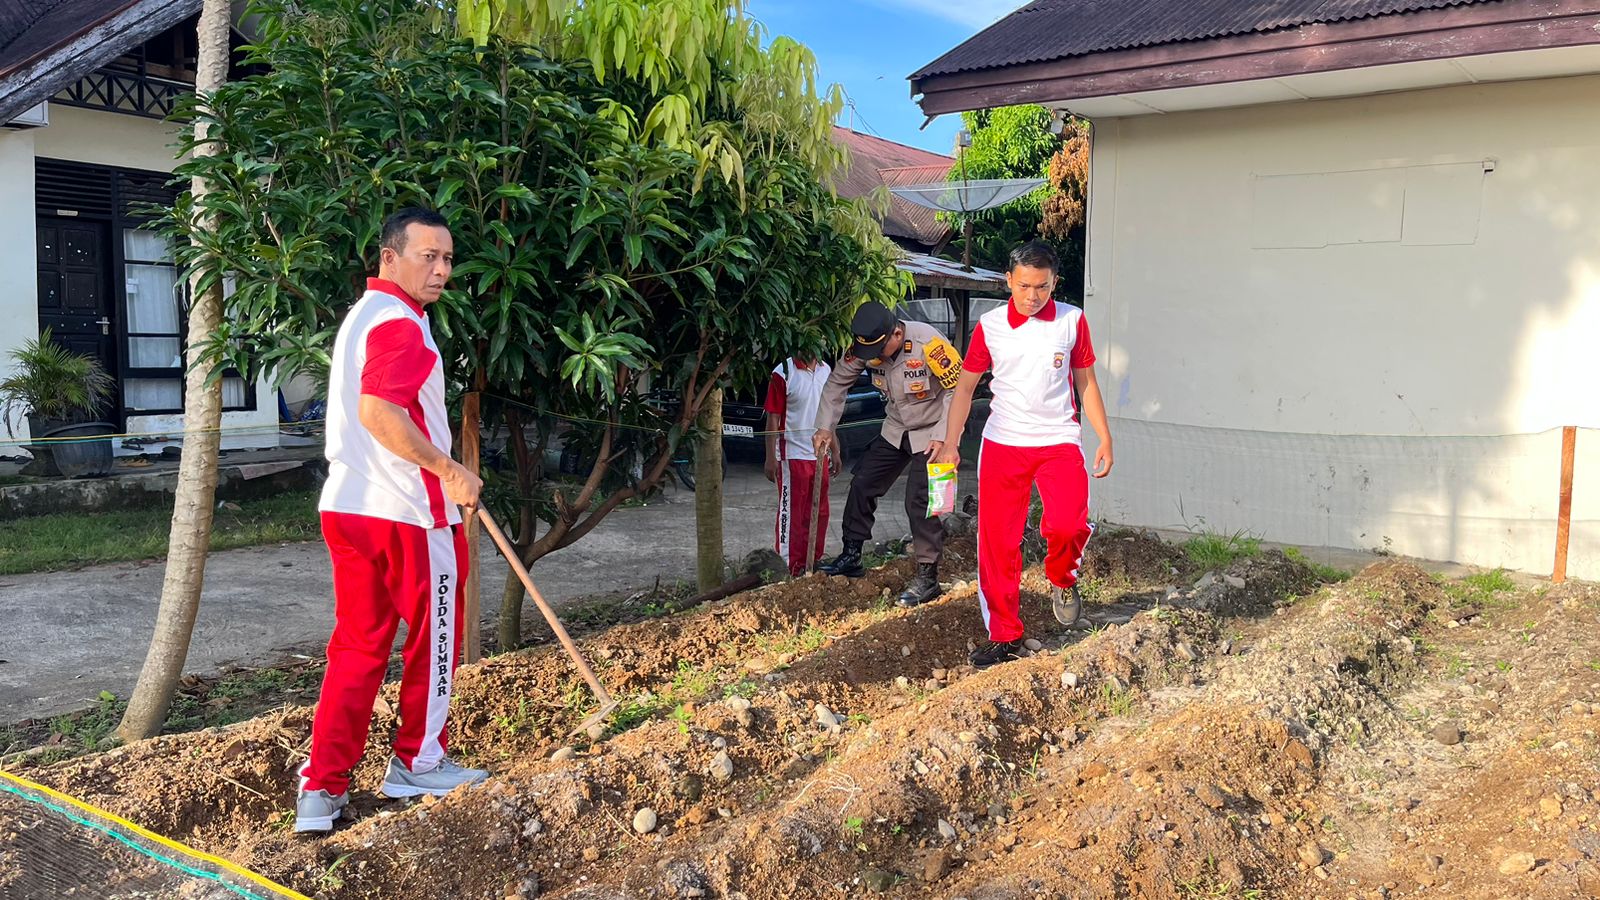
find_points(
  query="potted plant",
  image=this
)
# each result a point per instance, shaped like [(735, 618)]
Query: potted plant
[(61, 393)]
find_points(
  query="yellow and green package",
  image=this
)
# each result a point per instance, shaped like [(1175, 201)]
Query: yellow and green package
[(941, 489)]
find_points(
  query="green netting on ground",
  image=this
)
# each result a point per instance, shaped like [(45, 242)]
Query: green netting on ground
[(52, 846)]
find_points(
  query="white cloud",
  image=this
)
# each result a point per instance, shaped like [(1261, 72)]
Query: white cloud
[(975, 14)]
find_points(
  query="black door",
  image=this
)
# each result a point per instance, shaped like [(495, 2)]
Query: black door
[(74, 300)]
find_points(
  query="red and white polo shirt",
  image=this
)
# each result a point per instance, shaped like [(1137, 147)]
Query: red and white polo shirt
[(385, 349), (1032, 359), (793, 394)]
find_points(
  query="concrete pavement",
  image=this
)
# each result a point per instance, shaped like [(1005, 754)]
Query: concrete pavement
[(70, 635)]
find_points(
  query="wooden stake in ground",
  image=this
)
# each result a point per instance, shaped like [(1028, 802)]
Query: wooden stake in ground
[(193, 501), (510, 553), (471, 641), (816, 511), (1569, 447)]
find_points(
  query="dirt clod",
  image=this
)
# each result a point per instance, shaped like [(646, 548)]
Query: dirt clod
[(1517, 864)]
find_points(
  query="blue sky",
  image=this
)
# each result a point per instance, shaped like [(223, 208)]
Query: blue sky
[(870, 46)]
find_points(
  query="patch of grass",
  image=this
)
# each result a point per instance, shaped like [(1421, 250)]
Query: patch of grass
[(892, 550), (745, 688), (88, 728), (809, 640), (1214, 550), (1118, 703), (1503, 665), (683, 717), (1491, 590), (690, 683), (1325, 574), (73, 540)]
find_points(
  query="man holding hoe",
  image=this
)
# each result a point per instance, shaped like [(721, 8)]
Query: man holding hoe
[(391, 520), (1041, 356)]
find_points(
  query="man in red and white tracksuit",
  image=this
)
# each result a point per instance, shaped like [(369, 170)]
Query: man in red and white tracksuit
[(793, 395), (391, 520), (1041, 356)]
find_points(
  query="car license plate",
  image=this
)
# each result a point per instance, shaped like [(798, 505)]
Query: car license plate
[(738, 429)]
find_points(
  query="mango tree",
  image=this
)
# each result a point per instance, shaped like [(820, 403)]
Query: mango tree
[(629, 237)]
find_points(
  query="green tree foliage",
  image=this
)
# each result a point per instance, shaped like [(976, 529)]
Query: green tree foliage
[(636, 221), (1017, 142)]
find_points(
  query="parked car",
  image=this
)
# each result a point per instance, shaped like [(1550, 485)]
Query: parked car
[(744, 419)]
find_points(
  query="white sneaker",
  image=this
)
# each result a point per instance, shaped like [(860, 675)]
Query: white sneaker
[(317, 810), (400, 781)]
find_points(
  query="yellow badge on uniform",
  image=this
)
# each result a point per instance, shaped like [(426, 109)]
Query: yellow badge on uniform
[(944, 361)]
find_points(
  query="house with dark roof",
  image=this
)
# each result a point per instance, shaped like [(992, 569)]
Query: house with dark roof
[(1344, 260), (86, 89), (945, 291)]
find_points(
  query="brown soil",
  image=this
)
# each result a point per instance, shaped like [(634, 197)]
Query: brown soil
[(1276, 739)]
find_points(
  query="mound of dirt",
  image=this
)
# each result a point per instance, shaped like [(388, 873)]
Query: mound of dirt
[(1251, 735)]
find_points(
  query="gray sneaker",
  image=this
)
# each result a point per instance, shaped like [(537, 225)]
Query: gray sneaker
[(400, 781), (318, 810), (1067, 611)]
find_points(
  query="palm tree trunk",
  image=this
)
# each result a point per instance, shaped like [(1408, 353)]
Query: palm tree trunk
[(197, 472)]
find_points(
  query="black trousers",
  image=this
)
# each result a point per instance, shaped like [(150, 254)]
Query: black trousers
[(880, 465)]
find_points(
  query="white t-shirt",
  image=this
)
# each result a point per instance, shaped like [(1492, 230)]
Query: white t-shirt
[(1032, 358), (793, 394), (385, 349)]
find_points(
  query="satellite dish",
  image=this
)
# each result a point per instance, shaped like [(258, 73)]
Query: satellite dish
[(968, 196)]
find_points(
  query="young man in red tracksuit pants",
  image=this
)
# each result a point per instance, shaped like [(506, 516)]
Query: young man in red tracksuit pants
[(793, 395), (393, 529), (1039, 351)]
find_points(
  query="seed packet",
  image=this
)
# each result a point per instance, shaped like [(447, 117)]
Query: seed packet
[(941, 489)]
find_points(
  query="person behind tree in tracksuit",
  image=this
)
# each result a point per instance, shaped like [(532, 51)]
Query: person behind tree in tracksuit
[(1039, 351), (915, 368), (793, 394), (393, 529)]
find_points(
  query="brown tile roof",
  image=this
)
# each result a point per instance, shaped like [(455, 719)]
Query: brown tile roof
[(1047, 30), (874, 163)]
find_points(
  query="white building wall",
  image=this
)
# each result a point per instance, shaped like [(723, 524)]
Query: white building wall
[(19, 302), (1354, 323), (114, 139)]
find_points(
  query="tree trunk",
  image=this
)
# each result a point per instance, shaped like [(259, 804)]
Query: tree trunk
[(708, 496), (530, 465), (197, 472)]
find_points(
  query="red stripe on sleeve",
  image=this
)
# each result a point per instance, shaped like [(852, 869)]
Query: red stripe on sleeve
[(777, 395), (978, 359), (398, 362), (1082, 347)]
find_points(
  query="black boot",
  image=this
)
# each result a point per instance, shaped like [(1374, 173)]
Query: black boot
[(847, 563), (996, 652), (924, 586)]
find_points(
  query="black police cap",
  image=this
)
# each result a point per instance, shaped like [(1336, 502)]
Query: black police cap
[(871, 326)]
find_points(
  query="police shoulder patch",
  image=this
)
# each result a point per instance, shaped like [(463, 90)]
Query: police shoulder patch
[(944, 360)]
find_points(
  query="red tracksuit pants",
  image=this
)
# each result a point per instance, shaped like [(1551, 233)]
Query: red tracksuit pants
[(384, 573), (796, 480), (1006, 477)]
